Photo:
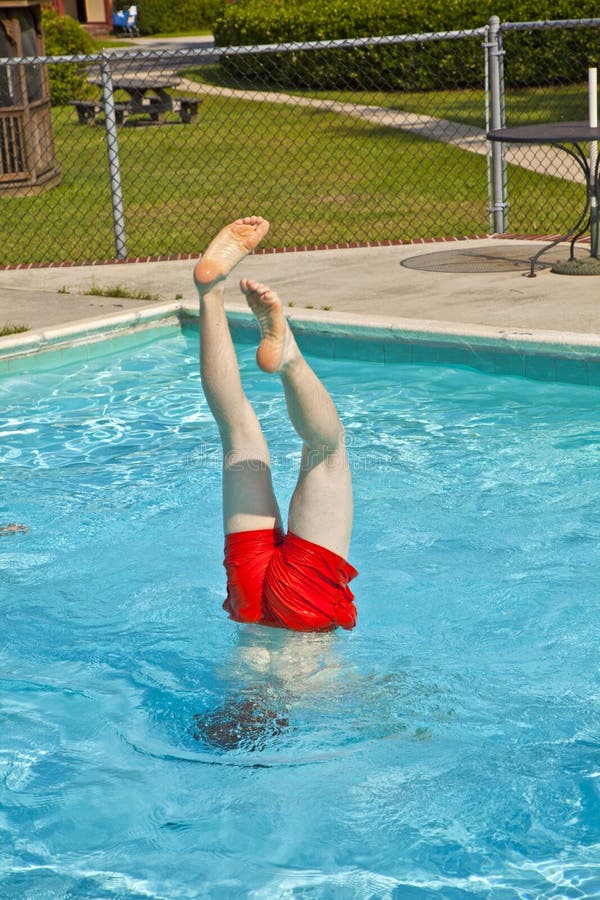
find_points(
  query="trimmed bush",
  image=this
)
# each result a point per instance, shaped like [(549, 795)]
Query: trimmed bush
[(155, 16), (535, 57), (63, 36)]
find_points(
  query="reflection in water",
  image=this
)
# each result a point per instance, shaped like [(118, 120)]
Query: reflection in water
[(242, 724), (282, 690), (271, 671)]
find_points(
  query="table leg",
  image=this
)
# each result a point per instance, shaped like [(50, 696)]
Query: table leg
[(579, 156), (594, 207)]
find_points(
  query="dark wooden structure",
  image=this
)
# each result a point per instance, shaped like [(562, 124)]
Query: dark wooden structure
[(27, 158), (148, 96), (96, 15)]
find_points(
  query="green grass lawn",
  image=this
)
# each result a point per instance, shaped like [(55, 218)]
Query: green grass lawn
[(536, 104), (468, 106), (319, 177)]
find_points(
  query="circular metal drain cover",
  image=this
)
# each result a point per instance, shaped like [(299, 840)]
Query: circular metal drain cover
[(484, 259)]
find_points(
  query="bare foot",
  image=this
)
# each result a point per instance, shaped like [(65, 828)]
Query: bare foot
[(226, 250), (277, 344)]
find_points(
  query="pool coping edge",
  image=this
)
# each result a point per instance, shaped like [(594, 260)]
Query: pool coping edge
[(425, 331), (533, 353), (82, 331)]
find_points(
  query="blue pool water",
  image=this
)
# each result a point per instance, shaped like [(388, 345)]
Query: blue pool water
[(449, 747)]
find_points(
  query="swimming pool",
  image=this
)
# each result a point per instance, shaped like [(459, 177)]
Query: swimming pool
[(449, 747)]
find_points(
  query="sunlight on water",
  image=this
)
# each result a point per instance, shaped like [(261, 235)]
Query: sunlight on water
[(449, 747)]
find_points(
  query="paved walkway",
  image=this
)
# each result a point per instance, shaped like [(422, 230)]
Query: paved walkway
[(183, 42), (547, 160), (364, 284)]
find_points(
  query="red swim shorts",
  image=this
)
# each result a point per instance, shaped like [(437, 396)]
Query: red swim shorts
[(287, 582)]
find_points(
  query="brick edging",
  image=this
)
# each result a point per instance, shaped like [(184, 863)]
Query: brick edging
[(344, 245), (174, 257)]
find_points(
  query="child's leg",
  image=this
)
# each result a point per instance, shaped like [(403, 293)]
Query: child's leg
[(321, 507), (248, 500)]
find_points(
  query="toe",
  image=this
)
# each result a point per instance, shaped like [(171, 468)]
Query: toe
[(253, 287), (247, 286)]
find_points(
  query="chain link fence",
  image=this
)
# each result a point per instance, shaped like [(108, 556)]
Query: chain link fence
[(157, 150)]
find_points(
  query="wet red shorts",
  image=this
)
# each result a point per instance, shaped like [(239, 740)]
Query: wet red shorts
[(287, 582)]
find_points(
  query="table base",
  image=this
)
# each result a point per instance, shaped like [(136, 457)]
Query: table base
[(590, 265)]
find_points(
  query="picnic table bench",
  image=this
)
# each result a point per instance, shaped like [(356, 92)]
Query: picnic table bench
[(89, 110), (148, 95)]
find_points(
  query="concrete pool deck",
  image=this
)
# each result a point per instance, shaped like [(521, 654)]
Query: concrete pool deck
[(360, 285)]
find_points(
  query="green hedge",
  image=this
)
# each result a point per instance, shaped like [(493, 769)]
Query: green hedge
[(532, 58), (64, 36), (156, 16)]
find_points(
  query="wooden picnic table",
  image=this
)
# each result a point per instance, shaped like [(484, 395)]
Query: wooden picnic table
[(148, 95)]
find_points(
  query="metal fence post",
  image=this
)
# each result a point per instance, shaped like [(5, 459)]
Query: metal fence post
[(114, 167), (495, 52)]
